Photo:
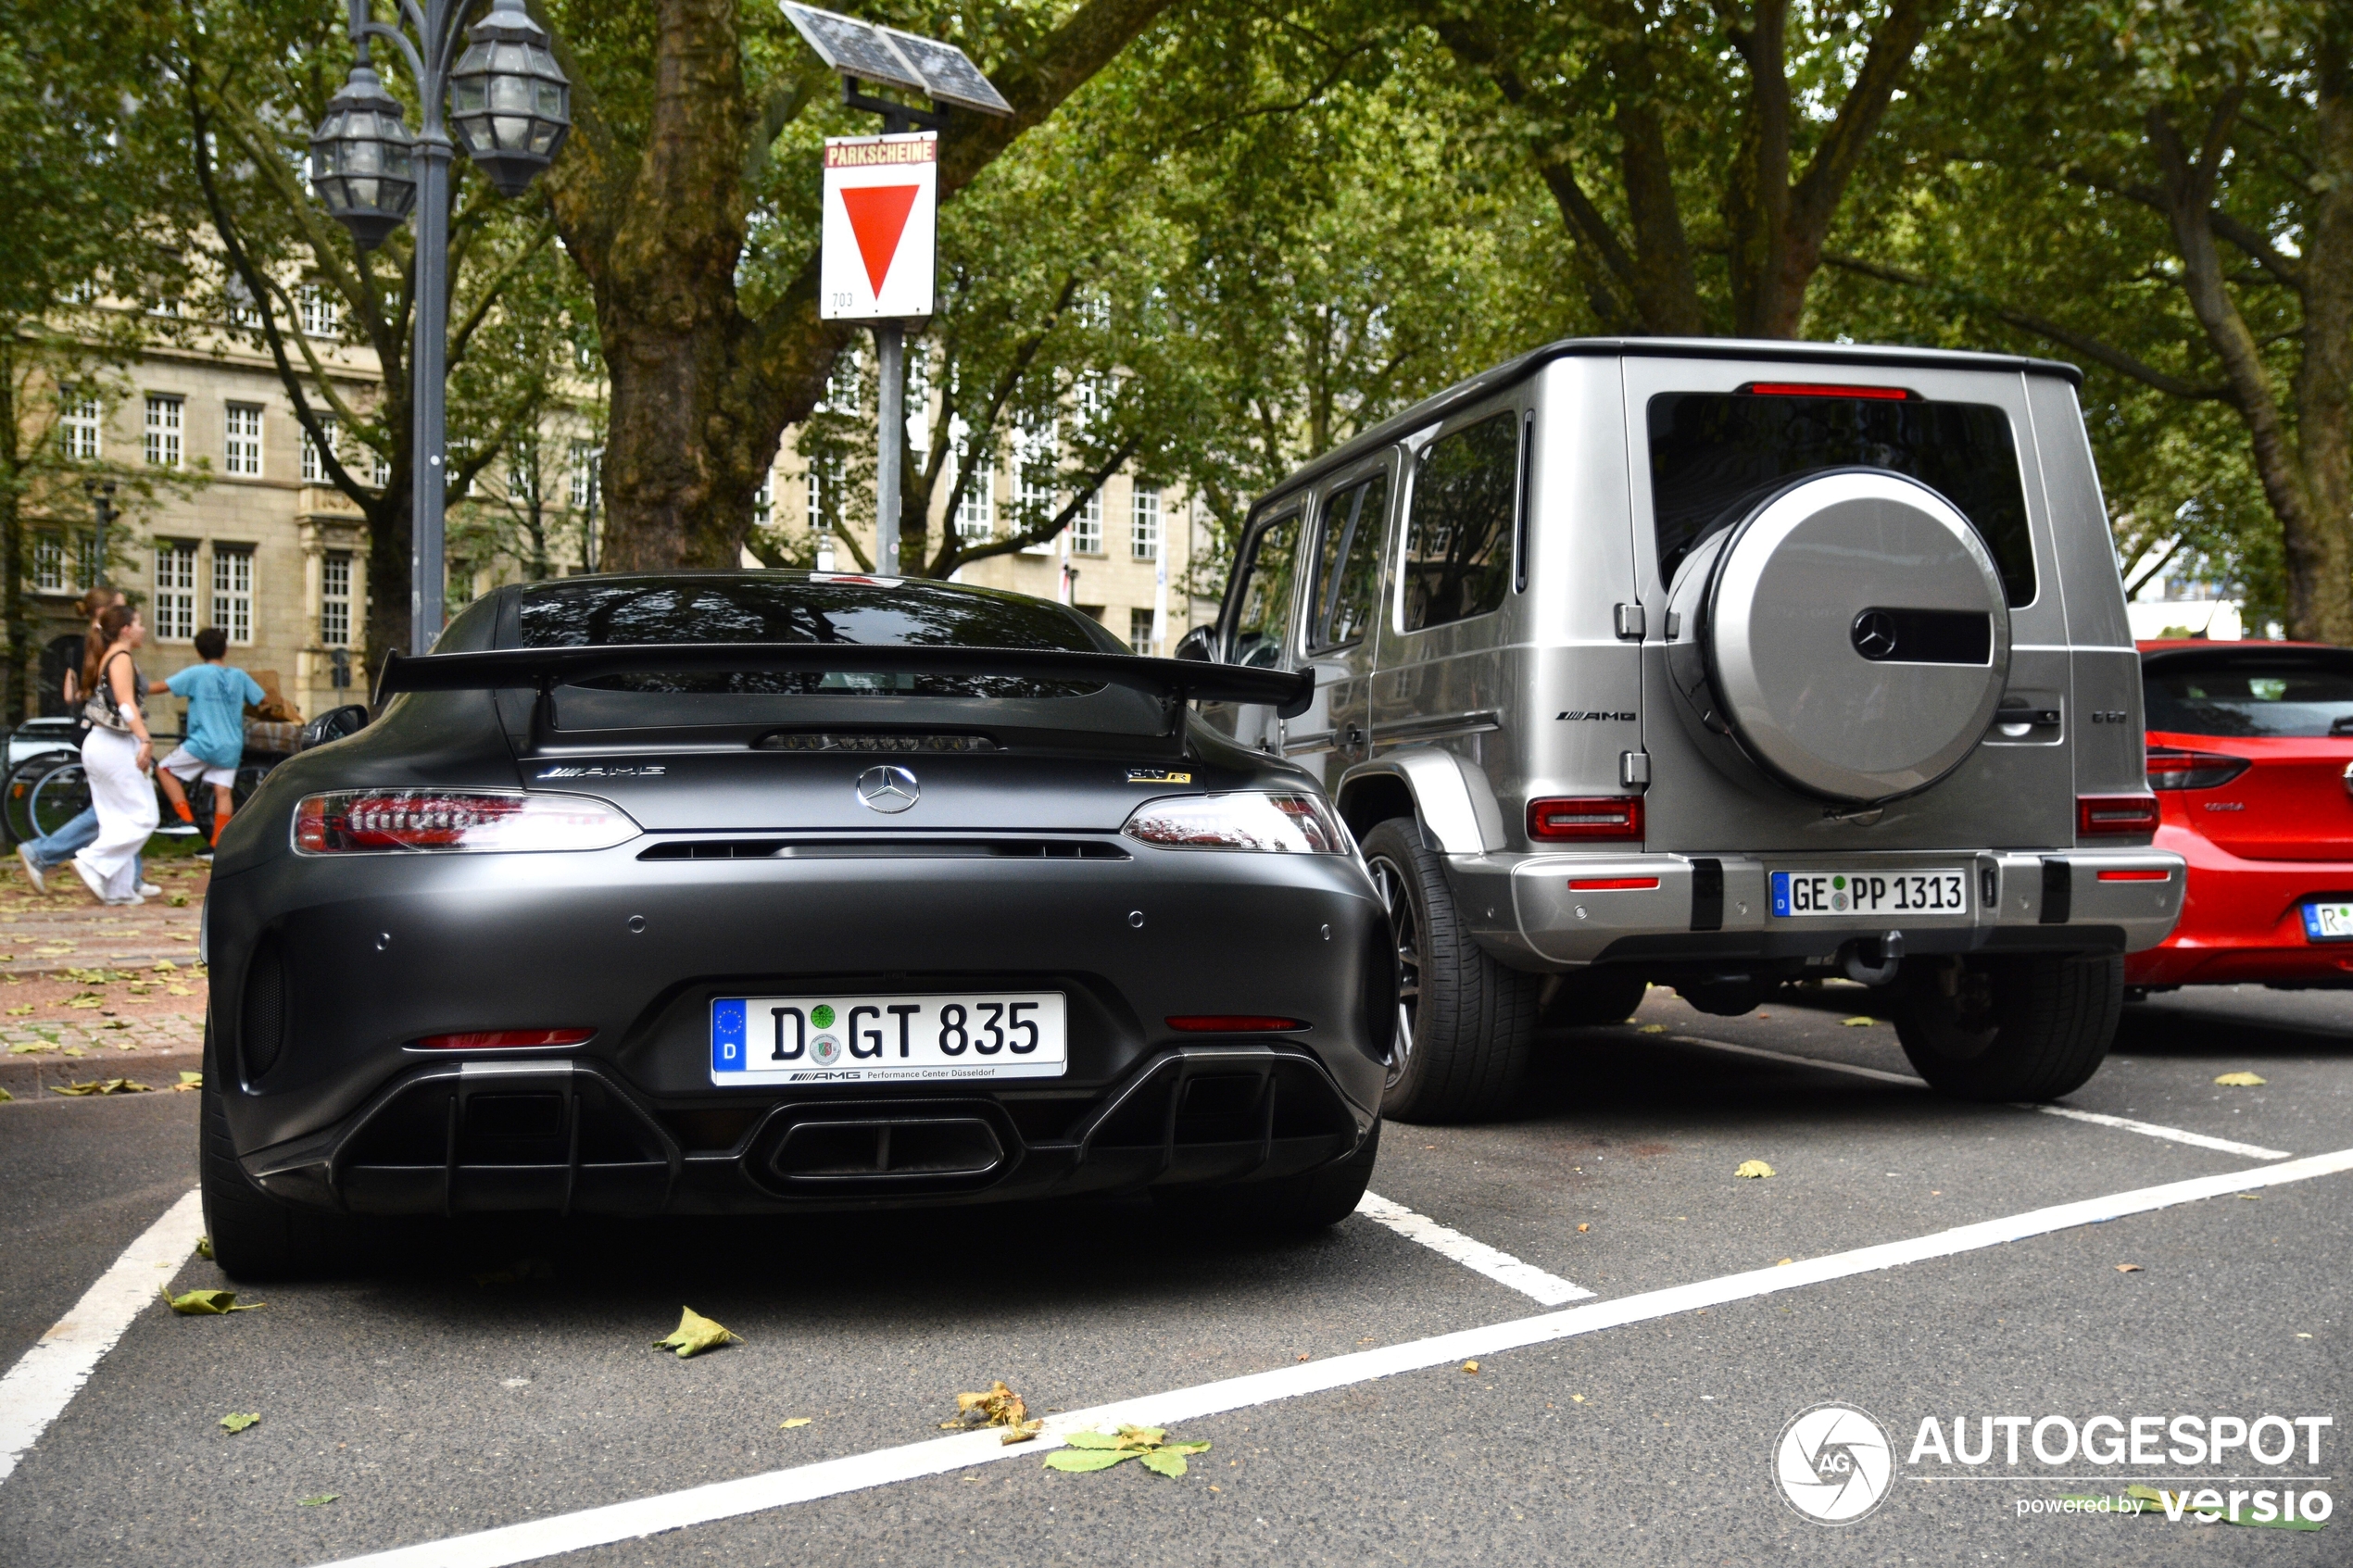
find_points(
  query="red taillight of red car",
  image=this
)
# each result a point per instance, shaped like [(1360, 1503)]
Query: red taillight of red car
[(1586, 818), (2174, 767), (505, 1039), (1234, 1024), (2114, 816)]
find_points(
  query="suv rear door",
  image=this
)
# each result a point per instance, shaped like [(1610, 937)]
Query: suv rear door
[(1343, 596)]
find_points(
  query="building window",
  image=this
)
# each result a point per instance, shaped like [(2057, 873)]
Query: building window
[(584, 474), (314, 462), (1087, 528), (763, 501), (334, 600), (175, 590), (48, 564), (165, 418), (379, 469), (232, 591), (1143, 534), (975, 507), (80, 418), (242, 452), (321, 312), (1140, 631)]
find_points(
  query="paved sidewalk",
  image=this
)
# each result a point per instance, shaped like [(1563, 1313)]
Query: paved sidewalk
[(90, 992)]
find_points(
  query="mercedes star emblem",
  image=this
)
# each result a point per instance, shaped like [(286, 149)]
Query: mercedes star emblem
[(1875, 633), (889, 789)]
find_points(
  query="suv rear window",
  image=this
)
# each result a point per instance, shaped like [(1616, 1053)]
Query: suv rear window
[(2257, 693), (1714, 455)]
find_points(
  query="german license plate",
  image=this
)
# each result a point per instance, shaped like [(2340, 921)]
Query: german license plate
[(1869, 894), (849, 1039), (2328, 922)]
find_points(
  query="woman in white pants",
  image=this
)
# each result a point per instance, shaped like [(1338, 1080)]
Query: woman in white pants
[(117, 756)]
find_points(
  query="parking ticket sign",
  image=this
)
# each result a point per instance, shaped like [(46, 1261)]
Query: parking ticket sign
[(881, 226)]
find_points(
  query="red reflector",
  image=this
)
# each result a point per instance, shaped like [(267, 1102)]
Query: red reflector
[(2102, 814), (1601, 816), (504, 1039), (1609, 884), (1824, 388), (1233, 1024), (2136, 876)]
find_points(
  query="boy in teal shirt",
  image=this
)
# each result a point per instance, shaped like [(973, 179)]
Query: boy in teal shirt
[(217, 697)]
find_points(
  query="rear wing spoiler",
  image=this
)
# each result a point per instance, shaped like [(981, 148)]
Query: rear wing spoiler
[(1172, 682)]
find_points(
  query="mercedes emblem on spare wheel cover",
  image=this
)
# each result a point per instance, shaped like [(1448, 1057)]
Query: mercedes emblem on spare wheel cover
[(889, 789), (1848, 635)]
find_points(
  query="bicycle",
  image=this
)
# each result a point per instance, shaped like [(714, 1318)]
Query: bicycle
[(44, 792)]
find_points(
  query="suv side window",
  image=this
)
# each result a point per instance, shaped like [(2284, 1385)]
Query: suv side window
[(1348, 563), (1458, 533), (1269, 573)]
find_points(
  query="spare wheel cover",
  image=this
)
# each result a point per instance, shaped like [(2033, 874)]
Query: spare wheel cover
[(1856, 634)]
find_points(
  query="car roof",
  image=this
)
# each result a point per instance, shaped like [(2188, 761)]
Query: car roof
[(1512, 371)]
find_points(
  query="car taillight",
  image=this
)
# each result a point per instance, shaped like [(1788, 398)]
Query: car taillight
[(2099, 816), (1826, 389), (1272, 821), (1234, 1024), (2171, 767), (1585, 819), (505, 1039), (387, 821), (1610, 883), (2132, 875)]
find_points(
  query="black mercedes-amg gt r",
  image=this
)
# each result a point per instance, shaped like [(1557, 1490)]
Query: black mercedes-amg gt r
[(738, 892)]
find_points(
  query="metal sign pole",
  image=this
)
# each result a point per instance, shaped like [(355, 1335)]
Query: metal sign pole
[(890, 343)]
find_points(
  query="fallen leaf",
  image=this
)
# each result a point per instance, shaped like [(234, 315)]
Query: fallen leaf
[(1100, 1450), (204, 1246), (2251, 1196), (796, 1421), (1471, 1367), (178, 900), (104, 1087), (6, 1096), (1652, 1029), (2304, 1337), (1858, 1023), (1582, 1229), (235, 1422), (19, 1012), (207, 1303), (1754, 1168), (695, 1334), (322, 1500), (1577, 1399), (188, 1081), (85, 1002), (1784, 1262), (2241, 1080), (1300, 1357), (77, 1050), (163, 966), (995, 1405), (1079, 1462), (177, 991), (2128, 1268)]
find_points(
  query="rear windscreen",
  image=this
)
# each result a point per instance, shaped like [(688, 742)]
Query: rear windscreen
[(726, 607), (1714, 454), (2257, 694)]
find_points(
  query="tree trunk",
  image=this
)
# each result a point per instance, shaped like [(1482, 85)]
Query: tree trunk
[(14, 603)]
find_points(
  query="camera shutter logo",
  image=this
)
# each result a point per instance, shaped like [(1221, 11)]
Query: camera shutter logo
[(1834, 1464)]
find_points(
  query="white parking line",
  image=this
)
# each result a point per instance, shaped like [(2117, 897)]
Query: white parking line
[(754, 1494), (1476, 1256), (46, 1377), (2146, 1129), (2149, 1129)]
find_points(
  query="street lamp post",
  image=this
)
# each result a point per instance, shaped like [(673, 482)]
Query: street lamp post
[(102, 512), (511, 105)]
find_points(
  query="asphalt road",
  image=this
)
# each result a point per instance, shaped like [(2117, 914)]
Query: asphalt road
[(432, 1405)]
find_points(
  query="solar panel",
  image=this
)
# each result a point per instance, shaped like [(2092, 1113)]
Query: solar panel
[(854, 48), (949, 75), (884, 55)]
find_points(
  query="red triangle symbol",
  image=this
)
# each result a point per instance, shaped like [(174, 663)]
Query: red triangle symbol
[(878, 216)]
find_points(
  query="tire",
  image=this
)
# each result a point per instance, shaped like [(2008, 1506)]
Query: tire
[(2031, 1027), (1595, 999), (1465, 1024), (254, 1235), (1287, 1206)]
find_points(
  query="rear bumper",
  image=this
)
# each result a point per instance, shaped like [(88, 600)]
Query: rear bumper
[(2242, 922), (574, 1137), (327, 973), (1541, 911)]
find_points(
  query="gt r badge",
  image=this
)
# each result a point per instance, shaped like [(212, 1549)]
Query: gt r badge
[(1157, 775), (889, 789)]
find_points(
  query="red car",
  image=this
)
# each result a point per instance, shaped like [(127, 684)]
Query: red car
[(2250, 752)]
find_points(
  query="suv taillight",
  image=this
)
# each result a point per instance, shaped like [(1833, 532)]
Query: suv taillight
[(1585, 819), (2171, 767), (2114, 816)]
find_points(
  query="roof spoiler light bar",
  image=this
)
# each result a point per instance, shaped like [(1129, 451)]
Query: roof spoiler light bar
[(1829, 389)]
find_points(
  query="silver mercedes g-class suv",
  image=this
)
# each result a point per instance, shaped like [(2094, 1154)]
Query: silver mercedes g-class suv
[(1722, 665)]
